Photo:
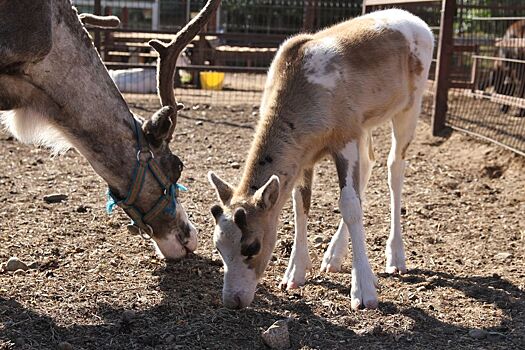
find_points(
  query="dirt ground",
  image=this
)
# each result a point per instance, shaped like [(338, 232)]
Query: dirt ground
[(463, 218)]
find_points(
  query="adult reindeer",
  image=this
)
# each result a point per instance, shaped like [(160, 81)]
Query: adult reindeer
[(324, 94), (507, 76), (58, 93)]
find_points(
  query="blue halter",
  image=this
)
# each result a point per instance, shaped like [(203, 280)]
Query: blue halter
[(167, 202)]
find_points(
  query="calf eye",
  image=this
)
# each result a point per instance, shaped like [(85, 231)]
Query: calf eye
[(251, 250)]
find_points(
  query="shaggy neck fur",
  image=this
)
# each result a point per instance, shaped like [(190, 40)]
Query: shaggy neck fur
[(68, 98)]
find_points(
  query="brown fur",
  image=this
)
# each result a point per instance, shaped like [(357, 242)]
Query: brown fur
[(297, 147), (302, 122)]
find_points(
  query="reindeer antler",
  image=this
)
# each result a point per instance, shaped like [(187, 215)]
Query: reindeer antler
[(169, 53)]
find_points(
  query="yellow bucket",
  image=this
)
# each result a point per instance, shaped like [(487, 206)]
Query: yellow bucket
[(211, 80)]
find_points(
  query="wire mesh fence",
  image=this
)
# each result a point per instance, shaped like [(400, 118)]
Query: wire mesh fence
[(227, 63), (487, 97)]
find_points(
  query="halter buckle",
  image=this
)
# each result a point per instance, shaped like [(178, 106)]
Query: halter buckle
[(147, 150)]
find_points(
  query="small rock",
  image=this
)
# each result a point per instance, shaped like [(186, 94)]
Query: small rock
[(55, 198), (128, 316), (318, 239), (65, 346), (170, 339), (421, 288), (3, 267), (14, 264), (495, 336), (81, 209), (235, 165), (277, 336), (478, 333), (503, 256), (199, 122)]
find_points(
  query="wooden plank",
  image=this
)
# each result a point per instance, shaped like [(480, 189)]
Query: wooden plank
[(497, 98), (194, 68), (445, 50), (394, 2), (466, 48)]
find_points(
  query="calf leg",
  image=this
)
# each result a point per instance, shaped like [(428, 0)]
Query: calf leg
[(363, 292), (300, 262), (338, 248), (403, 127)]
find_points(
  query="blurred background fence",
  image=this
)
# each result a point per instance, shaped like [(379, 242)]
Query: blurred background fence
[(476, 83)]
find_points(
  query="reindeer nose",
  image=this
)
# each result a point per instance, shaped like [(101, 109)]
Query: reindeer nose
[(235, 301)]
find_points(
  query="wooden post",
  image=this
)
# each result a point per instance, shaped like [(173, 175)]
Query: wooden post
[(97, 11), (444, 60), (309, 15)]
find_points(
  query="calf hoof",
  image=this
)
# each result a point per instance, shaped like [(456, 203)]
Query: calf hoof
[(396, 270), (363, 293), (330, 268), (332, 261)]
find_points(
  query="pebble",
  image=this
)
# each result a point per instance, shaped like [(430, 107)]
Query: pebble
[(128, 316), (199, 122), (502, 256), (14, 264), (318, 239), (65, 346), (478, 333), (55, 198), (277, 335), (235, 165)]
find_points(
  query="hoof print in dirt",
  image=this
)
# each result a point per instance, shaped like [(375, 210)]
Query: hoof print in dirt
[(277, 335)]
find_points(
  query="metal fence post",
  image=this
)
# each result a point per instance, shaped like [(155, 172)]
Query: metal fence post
[(97, 10), (444, 60)]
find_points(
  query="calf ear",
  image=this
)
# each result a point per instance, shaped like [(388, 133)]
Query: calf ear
[(159, 128), (223, 189), (216, 211), (267, 196)]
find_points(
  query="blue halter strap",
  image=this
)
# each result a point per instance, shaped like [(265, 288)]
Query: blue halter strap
[(167, 202)]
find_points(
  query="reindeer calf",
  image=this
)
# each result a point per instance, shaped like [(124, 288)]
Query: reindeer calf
[(325, 92)]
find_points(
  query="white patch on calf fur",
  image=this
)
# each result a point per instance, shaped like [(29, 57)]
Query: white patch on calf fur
[(239, 281), (32, 127), (300, 261), (337, 250), (317, 56), (418, 35), (363, 292), (349, 201)]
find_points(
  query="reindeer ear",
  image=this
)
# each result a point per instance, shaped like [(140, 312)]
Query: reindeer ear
[(216, 211), (159, 127), (267, 196), (223, 189)]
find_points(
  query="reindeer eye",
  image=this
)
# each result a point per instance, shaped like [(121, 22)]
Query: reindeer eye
[(250, 250)]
